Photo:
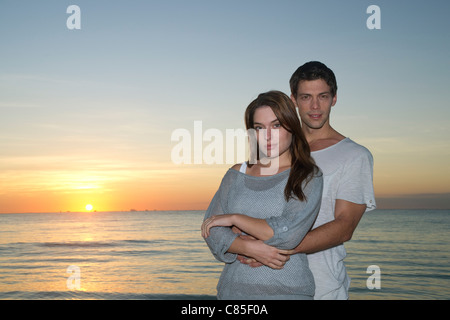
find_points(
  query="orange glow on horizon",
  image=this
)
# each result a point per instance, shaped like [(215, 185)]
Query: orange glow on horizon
[(162, 186), (171, 188)]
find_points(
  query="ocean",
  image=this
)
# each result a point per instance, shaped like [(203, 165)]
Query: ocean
[(394, 254)]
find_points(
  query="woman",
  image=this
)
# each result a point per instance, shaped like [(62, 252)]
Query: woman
[(274, 198)]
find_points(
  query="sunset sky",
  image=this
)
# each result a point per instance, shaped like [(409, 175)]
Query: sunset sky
[(87, 115)]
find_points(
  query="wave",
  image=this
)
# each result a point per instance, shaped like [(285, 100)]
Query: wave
[(84, 295), (96, 244), (81, 244)]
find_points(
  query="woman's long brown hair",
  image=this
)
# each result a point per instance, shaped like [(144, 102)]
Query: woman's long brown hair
[(303, 166)]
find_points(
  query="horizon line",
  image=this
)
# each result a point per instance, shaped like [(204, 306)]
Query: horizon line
[(180, 210)]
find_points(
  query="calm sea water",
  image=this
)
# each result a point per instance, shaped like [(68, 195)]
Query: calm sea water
[(161, 255)]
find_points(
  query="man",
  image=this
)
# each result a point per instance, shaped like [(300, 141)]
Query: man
[(348, 180), (348, 186)]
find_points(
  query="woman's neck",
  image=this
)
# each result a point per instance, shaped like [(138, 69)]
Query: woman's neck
[(271, 166)]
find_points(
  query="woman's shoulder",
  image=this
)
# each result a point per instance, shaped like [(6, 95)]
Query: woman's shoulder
[(316, 179), (240, 167), (237, 167), (232, 172)]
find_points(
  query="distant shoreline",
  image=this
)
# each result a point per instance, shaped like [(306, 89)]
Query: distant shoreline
[(198, 210), (98, 211)]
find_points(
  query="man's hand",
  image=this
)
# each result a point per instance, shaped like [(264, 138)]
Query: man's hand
[(243, 259), (249, 261), (257, 253), (263, 254)]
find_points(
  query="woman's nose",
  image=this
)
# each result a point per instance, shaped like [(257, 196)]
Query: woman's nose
[(268, 134)]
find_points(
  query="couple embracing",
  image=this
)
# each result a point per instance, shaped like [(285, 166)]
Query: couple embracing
[(280, 229)]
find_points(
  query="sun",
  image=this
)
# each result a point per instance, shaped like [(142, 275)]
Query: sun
[(89, 207)]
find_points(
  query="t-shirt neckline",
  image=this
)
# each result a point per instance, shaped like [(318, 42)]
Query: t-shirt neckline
[(332, 146)]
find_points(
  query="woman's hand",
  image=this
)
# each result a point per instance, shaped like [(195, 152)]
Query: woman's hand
[(259, 252), (223, 220), (263, 254)]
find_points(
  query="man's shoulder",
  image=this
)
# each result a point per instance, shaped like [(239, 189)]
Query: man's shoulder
[(340, 155), (355, 149), (344, 146)]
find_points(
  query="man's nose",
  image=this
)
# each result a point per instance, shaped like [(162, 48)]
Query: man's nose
[(315, 103)]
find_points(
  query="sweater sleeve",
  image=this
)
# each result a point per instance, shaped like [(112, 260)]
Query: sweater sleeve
[(297, 218), (221, 238)]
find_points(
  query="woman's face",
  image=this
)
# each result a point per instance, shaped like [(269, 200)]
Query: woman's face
[(273, 139)]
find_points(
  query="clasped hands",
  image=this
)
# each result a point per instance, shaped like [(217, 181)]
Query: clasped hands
[(251, 251)]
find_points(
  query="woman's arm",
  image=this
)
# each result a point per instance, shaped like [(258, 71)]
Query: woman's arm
[(220, 239), (259, 251), (258, 228), (249, 246), (297, 218), (285, 231)]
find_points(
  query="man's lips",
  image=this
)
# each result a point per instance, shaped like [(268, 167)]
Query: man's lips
[(315, 116)]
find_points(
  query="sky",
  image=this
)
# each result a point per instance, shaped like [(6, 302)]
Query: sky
[(87, 116)]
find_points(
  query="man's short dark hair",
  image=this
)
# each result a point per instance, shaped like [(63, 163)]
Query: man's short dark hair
[(313, 70)]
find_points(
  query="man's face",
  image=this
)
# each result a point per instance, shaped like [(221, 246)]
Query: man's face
[(314, 101)]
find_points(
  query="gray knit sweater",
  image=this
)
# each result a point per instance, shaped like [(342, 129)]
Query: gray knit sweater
[(263, 197)]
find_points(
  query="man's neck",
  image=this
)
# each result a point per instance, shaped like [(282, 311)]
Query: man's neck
[(322, 138)]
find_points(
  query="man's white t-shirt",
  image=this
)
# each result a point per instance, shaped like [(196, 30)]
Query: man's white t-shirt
[(348, 175)]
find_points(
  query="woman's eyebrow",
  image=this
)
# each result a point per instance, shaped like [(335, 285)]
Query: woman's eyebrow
[(270, 121)]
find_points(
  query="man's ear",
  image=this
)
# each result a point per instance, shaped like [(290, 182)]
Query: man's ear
[(294, 100), (334, 100)]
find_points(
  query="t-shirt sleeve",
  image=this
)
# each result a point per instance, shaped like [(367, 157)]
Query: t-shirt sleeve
[(297, 218), (356, 183), (221, 238)]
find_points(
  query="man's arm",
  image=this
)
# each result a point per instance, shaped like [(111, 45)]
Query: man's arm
[(258, 250), (246, 245), (333, 233), (329, 235)]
